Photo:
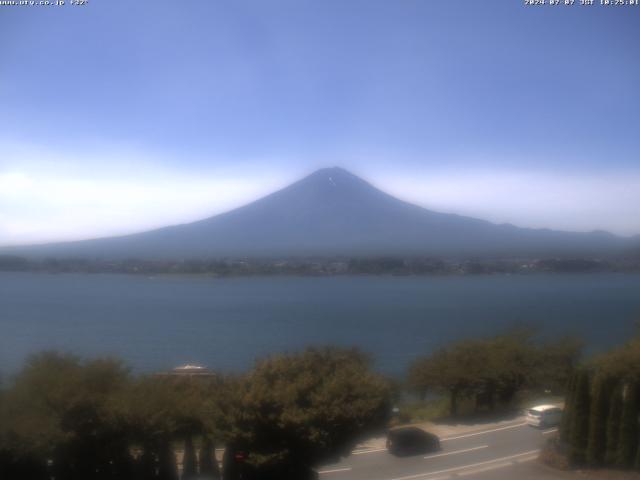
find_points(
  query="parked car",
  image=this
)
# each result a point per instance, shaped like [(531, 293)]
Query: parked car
[(544, 416), (406, 441)]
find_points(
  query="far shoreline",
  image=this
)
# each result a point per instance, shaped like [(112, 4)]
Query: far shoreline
[(411, 266)]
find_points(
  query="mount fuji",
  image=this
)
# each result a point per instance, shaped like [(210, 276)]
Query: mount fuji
[(335, 213)]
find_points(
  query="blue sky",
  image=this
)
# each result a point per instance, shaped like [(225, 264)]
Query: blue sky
[(121, 116)]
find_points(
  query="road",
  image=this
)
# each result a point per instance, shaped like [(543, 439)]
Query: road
[(500, 452)]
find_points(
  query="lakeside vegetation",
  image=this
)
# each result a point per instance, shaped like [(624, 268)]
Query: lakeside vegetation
[(65, 418), (489, 374), (381, 265)]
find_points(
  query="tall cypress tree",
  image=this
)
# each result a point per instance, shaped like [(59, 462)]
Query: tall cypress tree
[(598, 421), (167, 469), (613, 426), (147, 464), (628, 426), (567, 416), (580, 421), (189, 461), (208, 462)]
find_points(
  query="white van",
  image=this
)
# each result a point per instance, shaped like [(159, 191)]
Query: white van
[(544, 416)]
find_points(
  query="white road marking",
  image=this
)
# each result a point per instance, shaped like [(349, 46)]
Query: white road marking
[(373, 450), (484, 469), (484, 432), (496, 466), (546, 432), (444, 477), (464, 467), (527, 459), (335, 470), (457, 451)]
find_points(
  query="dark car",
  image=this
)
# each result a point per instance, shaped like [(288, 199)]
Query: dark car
[(411, 441)]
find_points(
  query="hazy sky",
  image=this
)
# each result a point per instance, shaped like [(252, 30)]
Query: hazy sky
[(124, 115)]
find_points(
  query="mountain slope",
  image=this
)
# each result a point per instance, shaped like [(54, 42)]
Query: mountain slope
[(332, 212)]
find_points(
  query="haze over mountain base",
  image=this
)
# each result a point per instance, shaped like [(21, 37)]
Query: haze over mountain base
[(334, 213)]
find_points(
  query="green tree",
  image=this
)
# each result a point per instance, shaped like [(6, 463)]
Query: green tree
[(157, 411), (60, 408), (556, 363), (567, 416), (598, 421), (294, 411), (613, 426), (167, 468), (490, 370), (145, 466), (208, 463), (622, 364), (512, 363), (628, 442), (580, 421), (455, 370), (189, 460)]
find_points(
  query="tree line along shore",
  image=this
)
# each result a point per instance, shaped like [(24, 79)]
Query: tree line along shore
[(63, 417), (379, 265)]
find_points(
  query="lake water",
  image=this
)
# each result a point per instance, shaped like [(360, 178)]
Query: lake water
[(158, 323)]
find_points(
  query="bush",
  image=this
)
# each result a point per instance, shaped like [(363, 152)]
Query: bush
[(422, 411)]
